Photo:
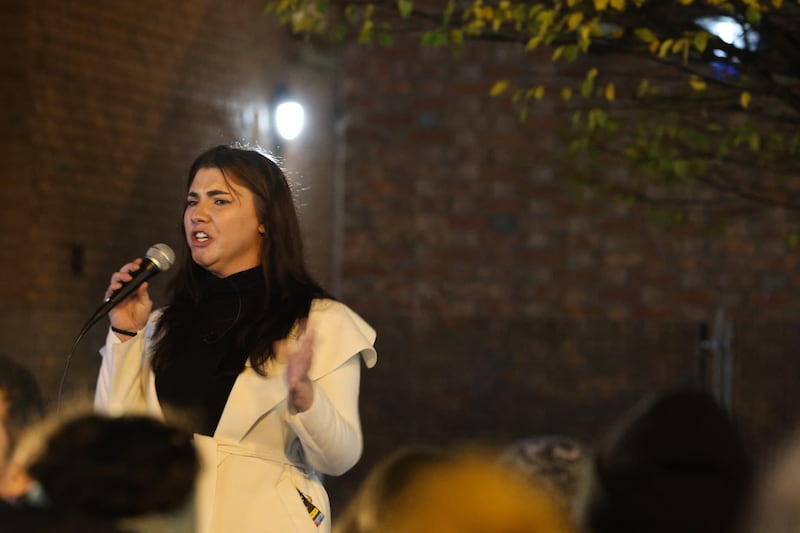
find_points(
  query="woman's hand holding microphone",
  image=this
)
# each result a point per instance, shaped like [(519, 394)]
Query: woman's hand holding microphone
[(130, 315)]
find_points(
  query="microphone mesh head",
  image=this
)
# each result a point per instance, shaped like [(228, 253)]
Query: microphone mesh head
[(161, 255)]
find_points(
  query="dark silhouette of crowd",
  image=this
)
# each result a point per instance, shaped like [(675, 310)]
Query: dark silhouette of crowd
[(676, 462)]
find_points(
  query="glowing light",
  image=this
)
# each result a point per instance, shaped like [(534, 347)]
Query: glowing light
[(289, 118), (730, 31)]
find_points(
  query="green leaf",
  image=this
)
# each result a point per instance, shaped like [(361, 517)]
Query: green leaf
[(576, 119), (794, 143), (754, 140), (533, 43), (680, 167), (753, 15), (533, 12), (724, 149), (596, 119), (578, 145), (701, 40), (664, 48), (793, 240), (586, 87), (405, 7), (643, 89), (366, 33), (499, 88), (434, 38), (776, 142), (645, 34), (385, 39), (340, 32), (448, 12), (571, 52), (697, 140), (322, 6)]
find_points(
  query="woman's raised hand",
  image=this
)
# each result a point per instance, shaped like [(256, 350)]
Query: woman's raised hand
[(301, 391)]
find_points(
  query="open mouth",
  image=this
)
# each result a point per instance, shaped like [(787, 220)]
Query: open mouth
[(201, 236)]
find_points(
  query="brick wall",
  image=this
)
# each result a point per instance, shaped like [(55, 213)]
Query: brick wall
[(508, 305), (454, 208)]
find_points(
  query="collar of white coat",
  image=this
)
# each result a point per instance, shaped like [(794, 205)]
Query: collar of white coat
[(339, 334)]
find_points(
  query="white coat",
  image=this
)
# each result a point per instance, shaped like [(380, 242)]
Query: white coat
[(261, 454)]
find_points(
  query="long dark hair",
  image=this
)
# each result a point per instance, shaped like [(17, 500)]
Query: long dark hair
[(116, 467), (289, 288)]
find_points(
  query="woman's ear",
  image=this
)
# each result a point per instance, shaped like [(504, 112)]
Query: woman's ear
[(261, 229)]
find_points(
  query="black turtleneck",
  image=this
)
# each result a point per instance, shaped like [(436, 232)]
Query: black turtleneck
[(195, 386)]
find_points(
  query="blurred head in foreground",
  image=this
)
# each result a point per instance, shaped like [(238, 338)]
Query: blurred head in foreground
[(556, 462), (368, 509), (132, 471), (469, 493), (675, 463)]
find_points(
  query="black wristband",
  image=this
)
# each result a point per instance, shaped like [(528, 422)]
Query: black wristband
[(123, 332)]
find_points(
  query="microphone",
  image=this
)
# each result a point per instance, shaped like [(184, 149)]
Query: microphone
[(158, 258)]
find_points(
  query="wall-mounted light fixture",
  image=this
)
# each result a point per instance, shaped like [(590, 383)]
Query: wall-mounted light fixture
[(288, 115)]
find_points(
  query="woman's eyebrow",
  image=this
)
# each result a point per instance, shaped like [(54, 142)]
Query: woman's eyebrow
[(213, 192)]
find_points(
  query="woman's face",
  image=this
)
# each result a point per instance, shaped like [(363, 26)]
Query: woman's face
[(221, 226)]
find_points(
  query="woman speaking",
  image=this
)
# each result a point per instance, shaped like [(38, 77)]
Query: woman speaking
[(250, 355)]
